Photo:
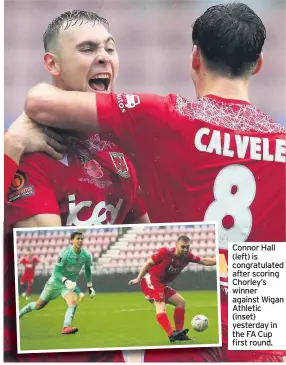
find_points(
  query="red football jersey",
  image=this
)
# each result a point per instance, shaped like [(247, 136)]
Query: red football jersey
[(30, 264), (95, 183), (167, 266), (213, 159)]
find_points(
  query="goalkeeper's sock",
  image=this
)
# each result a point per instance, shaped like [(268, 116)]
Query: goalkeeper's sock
[(164, 322), (28, 308), (179, 318), (69, 315)]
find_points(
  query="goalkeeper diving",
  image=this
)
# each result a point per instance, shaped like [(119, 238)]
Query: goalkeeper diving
[(64, 281)]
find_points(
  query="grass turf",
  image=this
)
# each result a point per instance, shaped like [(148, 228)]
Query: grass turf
[(113, 320)]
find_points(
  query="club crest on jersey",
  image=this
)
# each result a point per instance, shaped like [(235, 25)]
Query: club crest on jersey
[(120, 164)]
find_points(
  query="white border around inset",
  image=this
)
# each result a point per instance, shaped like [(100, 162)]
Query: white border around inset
[(73, 228)]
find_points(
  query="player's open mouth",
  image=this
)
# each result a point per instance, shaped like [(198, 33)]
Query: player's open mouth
[(100, 82)]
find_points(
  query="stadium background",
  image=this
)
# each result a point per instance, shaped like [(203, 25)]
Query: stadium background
[(118, 316), (119, 253), (153, 41)]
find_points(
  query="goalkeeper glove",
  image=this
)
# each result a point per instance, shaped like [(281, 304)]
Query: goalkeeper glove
[(90, 290), (70, 285)]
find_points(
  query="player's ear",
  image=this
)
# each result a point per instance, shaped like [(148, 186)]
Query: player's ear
[(258, 65), (195, 58), (52, 64)]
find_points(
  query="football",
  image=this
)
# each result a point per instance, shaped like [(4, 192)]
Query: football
[(200, 323)]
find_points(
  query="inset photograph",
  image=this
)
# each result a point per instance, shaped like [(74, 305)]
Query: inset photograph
[(121, 287)]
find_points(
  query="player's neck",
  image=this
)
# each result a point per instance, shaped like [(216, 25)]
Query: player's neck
[(58, 83), (76, 250), (223, 87), (176, 253)]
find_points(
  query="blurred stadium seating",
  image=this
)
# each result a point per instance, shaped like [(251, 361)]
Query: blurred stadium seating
[(116, 250), (153, 41)]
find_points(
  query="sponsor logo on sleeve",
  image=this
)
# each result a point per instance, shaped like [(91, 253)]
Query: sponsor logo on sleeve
[(19, 187), (127, 101)]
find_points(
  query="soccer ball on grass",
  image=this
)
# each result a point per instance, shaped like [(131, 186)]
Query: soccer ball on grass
[(200, 323)]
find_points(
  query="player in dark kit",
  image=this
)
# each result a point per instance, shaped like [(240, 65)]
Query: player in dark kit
[(30, 262), (163, 267)]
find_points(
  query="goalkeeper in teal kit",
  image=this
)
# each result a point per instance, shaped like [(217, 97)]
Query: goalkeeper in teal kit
[(63, 281)]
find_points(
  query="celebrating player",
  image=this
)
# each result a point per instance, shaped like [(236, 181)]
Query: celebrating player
[(63, 281), (30, 262), (162, 268), (95, 182), (211, 159)]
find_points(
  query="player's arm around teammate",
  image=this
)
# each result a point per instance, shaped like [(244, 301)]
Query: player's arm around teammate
[(25, 136)]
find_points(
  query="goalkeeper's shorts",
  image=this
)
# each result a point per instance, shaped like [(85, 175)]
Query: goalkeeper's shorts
[(53, 290)]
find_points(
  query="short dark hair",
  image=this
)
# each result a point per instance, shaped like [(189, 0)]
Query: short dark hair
[(230, 38), (68, 19), (74, 234), (184, 238)]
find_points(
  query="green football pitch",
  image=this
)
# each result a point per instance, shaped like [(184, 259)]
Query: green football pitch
[(113, 320)]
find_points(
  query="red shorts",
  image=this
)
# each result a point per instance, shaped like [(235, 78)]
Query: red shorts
[(27, 277), (154, 290)]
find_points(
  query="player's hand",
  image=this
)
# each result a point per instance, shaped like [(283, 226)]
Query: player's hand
[(70, 285), (134, 281), (91, 292), (31, 137)]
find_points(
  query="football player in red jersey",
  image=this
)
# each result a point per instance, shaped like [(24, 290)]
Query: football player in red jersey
[(29, 261), (163, 267), (25, 136), (95, 182), (210, 159)]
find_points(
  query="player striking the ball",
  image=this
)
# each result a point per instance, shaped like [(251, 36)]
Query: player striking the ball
[(30, 262), (63, 281), (163, 267)]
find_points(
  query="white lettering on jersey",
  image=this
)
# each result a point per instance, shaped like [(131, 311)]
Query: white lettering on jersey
[(236, 205), (96, 217), (219, 143)]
